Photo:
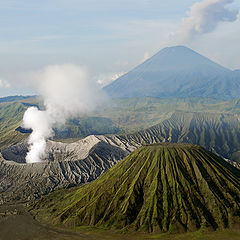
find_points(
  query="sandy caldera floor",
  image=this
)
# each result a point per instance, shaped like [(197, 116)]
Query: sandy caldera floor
[(18, 224)]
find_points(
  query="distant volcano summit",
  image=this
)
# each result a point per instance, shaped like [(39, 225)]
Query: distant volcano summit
[(177, 72), (162, 187)]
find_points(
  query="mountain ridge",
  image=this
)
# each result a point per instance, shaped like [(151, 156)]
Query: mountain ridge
[(213, 131), (177, 72)]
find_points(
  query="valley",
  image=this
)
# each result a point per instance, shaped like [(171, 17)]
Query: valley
[(118, 116)]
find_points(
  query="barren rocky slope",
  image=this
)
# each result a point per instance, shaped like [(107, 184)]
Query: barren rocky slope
[(65, 165)]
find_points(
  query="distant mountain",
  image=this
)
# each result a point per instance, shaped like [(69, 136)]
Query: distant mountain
[(15, 98), (161, 187), (177, 72)]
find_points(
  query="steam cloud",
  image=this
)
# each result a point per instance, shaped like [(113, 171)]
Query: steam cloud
[(204, 17), (67, 92)]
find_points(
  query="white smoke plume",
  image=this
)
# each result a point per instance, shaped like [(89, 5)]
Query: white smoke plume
[(67, 92), (204, 17)]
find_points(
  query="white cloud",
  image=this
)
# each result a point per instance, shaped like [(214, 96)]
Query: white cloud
[(7, 85), (107, 78), (4, 84), (145, 57), (205, 16)]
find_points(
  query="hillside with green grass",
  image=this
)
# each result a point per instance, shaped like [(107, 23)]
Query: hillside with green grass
[(118, 116), (219, 133), (133, 114), (10, 118), (12, 110), (161, 187)]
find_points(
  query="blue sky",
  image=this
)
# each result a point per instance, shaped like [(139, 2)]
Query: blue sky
[(109, 37)]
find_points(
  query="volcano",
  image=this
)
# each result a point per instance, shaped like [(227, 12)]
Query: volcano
[(177, 72), (158, 188)]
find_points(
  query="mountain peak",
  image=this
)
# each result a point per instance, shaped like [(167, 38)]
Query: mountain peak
[(176, 71), (176, 48), (181, 58), (181, 51)]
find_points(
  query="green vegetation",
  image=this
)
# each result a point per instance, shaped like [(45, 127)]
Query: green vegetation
[(158, 188), (219, 133), (211, 123), (10, 118), (134, 114), (85, 126), (13, 108), (118, 116)]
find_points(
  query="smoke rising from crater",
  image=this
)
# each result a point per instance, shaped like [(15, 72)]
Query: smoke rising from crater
[(68, 92), (204, 17)]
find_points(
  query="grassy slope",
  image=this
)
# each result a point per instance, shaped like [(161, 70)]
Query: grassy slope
[(139, 113), (217, 132), (10, 118), (168, 188), (120, 115), (11, 114), (77, 128)]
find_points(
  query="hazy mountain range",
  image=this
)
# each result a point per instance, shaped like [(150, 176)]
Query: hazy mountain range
[(177, 72)]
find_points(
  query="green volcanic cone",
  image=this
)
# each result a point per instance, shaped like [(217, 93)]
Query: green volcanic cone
[(162, 187)]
